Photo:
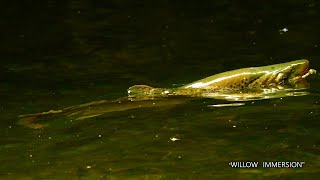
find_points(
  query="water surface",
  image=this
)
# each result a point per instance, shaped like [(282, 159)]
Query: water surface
[(55, 55)]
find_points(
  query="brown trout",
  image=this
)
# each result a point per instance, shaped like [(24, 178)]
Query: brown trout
[(273, 81), (240, 84)]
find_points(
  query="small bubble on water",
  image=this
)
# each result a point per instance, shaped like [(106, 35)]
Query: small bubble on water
[(284, 30)]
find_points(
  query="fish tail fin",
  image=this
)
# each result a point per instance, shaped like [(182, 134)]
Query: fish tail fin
[(146, 92), (30, 120)]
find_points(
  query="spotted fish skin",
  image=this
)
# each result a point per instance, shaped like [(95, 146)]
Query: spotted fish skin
[(255, 79)]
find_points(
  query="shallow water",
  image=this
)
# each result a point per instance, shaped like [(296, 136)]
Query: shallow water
[(58, 55)]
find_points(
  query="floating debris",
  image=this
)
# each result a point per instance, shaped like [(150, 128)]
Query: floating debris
[(284, 30)]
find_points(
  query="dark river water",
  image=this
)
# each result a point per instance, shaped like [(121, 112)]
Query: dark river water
[(55, 55)]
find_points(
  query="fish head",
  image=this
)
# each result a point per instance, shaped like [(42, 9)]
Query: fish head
[(295, 71), (285, 75), (289, 73), (273, 81)]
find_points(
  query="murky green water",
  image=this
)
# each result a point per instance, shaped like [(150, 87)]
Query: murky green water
[(55, 55)]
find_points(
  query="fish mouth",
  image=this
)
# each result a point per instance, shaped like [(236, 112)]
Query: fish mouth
[(300, 72), (293, 73), (285, 75), (301, 69)]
